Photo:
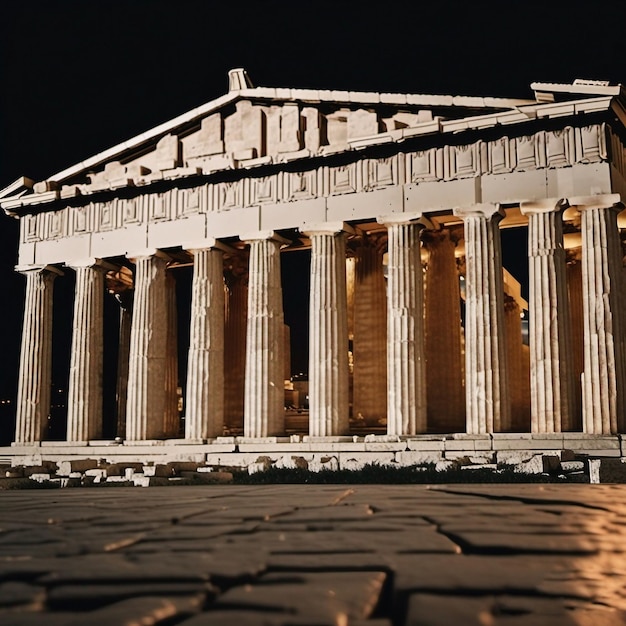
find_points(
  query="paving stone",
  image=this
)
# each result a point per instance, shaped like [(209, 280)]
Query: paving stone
[(328, 595), (80, 596), (14, 593), (444, 610)]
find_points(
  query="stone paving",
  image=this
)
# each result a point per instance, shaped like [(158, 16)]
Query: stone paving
[(369, 555)]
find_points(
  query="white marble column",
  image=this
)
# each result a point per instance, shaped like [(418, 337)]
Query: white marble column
[(575, 293), (369, 400), (235, 341), (148, 341), (603, 376), (264, 390), (171, 415), (488, 407), (84, 399), (204, 413), (328, 332), (444, 357), (551, 381), (33, 392), (125, 301), (406, 359)]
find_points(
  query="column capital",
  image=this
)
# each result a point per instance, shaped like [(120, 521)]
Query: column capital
[(404, 219), (326, 228), (545, 205), (487, 210), (603, 201), (264, 235), (93, 262), (209, 243), (26, 269), (146, 253)]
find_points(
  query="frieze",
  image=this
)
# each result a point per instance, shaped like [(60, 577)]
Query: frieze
[(552, 149)]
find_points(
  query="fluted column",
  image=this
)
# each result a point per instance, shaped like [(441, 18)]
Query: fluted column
[(406, 362), (33, 392), (551, 381), (603, 377), (575, 292), (204, 414), (235, 340), (486, 378), (84, 406), (518, 366), (264, 390), (171, 416), (148, 342), (370, 337), (444, 364), (125, 300), (328, 332)]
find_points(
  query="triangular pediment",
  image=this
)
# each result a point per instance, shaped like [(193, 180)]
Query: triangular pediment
[(251, 127)]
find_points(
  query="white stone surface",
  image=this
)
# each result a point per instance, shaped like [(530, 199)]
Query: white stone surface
[(328, 335), (603, 303), (205, 371), (406, 374), (84, 408), (551, 381), (264, 384), (486, 379), (146, 393), (33, 393)]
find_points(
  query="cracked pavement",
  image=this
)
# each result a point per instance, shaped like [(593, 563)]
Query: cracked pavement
[(376, 555)]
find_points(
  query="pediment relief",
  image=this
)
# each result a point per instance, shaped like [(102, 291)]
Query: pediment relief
[(250, 134)]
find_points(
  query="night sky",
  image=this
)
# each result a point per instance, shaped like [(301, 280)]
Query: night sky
[(78, 77)]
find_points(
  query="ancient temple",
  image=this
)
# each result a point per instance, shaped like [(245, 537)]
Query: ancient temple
[(401, 199)]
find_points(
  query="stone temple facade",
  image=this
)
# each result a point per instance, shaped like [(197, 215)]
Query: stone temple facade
[(401, 200)]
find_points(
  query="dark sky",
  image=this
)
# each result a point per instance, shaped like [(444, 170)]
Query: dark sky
[(80, 76)]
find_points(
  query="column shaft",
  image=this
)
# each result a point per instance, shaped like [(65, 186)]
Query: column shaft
[(33, 393), (575, 292), (486, 376), (148, 342), (264, 413), (551, 382), (235, 349), (406, 363), (171, 415), (204, 414), (370, 337), (603, 386), (84, 408), (328, 336), (125, 300), (444, 363)]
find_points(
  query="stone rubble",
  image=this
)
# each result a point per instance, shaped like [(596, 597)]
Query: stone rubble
[(219, 470)]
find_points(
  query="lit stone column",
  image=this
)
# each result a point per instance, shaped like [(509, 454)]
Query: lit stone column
[(84, 406), (406, 362), (236, 276), (575, 290), (551, 381), (328, 331), (148, 341), (264, 390), (444, 365), (517, 362), (125, 300), (33, 392), (171, 416), (204, 413), (486, 378), (603, 377), (370, 336)]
